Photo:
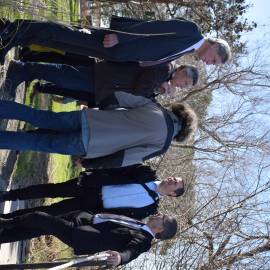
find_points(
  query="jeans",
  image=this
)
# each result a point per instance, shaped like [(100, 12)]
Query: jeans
[(64, 135)]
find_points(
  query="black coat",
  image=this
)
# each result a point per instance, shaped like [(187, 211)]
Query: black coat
[(128, 242), (128, 77), (173, 37), (137, 174)]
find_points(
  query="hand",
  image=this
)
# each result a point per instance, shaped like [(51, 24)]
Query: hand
[(110, 40), (76, 161), (84, 30), (114, 258)]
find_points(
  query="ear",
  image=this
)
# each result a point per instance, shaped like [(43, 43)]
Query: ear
[(173, 194), (159, 229)]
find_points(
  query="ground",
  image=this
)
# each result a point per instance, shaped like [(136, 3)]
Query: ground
[(14, 253)]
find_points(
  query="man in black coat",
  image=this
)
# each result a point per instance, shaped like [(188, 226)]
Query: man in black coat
[(97, 83), (148, 42), (87, 234), (132, 191)]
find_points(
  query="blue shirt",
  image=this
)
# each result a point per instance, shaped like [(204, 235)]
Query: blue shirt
[(128, 195)]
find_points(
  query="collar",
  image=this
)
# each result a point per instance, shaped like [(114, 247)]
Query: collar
[(147, 229), (198, 44), (156, 188), (171, 71), (176, 123)]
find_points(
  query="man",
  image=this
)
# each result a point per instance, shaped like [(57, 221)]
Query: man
[(132, 191), (98, 82), (137, 130), (87, 234), (147, 42)]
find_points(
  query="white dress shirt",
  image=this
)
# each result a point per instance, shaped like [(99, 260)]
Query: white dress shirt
[(195, 47), (128, 195)]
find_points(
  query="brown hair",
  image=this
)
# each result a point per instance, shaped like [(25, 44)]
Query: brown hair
[(188, 119)]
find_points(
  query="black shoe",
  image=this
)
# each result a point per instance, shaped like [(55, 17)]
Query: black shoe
[(7, 33), (2, 56), (3, 195), (3, 24), (6, 223), (7, 30), (23, 54), (35, 90)]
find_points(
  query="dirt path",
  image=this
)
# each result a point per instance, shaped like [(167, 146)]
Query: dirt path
[(10, 253)]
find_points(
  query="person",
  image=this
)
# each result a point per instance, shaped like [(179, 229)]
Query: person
[(138, 129), (96, 83), (128, 40), (132, 191), (87, 233)]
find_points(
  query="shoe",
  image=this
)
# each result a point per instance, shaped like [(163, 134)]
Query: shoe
[(7, 32), (23, 53), (35, 90), (2, 56), (3, 24), (3, 194), (6, 223)]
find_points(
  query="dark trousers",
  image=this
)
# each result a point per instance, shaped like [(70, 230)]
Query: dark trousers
[(27, 55), (60, 36), (53, 89), (70, 229), (80, 198), (75, 78)]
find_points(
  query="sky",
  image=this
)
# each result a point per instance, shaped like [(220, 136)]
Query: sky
[(258, 12)]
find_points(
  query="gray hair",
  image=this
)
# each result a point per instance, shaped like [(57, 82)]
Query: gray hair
[(224, 50)]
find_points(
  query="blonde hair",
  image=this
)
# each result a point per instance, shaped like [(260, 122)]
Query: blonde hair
[(224, 50)]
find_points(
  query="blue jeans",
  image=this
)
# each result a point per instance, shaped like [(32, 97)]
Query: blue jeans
[(63, 136)]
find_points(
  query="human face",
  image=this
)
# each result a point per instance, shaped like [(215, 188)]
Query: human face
[(168, 186), (210, 55), (157, 222), (180, 79)]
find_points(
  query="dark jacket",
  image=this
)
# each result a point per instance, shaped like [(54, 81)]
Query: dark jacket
[(169, 37), (128, 242), (127, 77), (137, 174)]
